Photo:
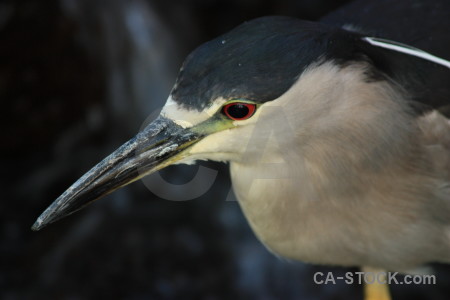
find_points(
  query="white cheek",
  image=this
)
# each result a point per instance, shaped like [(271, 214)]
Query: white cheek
[(188, 118), (181, 116), (224, 145), (219, 141)]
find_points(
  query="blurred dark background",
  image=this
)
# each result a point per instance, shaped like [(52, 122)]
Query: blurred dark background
[(77, 79)]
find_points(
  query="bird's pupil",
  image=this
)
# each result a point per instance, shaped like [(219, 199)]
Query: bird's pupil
[(238, 111)]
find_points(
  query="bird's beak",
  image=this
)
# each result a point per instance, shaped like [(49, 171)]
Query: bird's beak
[(160, 144)]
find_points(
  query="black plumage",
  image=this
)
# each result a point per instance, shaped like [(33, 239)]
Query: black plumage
[(419, 23), (262, 58), (259, 60)]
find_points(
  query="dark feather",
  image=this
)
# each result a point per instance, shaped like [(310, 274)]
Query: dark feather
[(261, 59)]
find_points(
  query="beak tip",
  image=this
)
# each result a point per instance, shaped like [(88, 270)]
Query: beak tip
[(39, 224), (44, 219), (36, 226)]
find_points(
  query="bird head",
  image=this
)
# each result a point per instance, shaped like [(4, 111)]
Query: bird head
[(231, 92)]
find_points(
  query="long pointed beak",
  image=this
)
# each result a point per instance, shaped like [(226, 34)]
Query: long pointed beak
[(160, 144)]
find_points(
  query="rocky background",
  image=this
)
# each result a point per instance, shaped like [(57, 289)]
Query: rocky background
[(77, 79)]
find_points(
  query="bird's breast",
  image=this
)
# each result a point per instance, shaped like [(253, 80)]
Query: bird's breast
[(314, 218), (289, 217)]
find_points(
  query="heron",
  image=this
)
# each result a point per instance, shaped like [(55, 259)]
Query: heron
[(337, 138)]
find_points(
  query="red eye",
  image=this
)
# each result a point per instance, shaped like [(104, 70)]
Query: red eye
[(239, 111)]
